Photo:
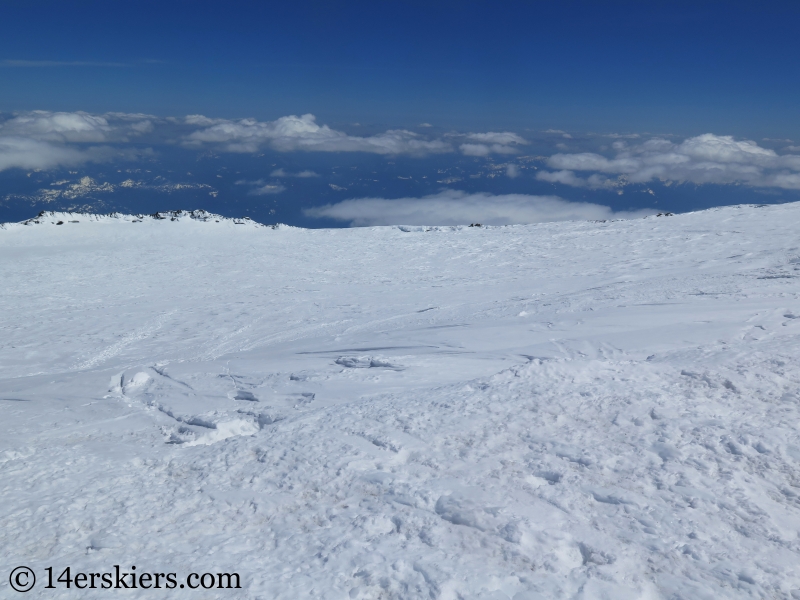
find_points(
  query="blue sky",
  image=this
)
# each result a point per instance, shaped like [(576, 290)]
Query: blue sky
[(668, 71), (680, 67)]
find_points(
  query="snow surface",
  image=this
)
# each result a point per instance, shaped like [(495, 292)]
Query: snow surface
[(567, 410)]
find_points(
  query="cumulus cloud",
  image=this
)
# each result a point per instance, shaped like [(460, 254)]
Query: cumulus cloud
[(58, 126), (706, 158), (290, 133), (452, 207), (77, 127), (142, 127), (202, 120), (512, 171), (491, 142), (45, 140), (493, 137), (303, 133)]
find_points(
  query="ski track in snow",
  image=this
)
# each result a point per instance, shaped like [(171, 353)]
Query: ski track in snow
[(128, 339), (568, 410)]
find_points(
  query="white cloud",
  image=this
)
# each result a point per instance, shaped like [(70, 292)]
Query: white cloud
[(475, 149), (565, 177), (451, 207), (706, 158), (285, 134), (202, 120), (491, 142), (787, 181), (303, 133), (560, 132), (26, 153), (512, 171), (486, 150), (266, 190), (493, 137), (77, 127), (594, 181), (141, 127), (58, 127), (301, 174), (45, 140)]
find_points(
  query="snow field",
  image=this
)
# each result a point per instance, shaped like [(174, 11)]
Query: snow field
[(569, 410)]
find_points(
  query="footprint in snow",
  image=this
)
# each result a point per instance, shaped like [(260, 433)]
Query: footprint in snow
[(194, 436)]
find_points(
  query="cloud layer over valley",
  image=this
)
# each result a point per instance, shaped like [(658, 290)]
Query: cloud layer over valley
[(302, 171), (452, 207), (44, 140), (702, 159)]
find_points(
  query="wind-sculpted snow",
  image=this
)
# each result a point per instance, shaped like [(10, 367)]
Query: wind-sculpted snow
[(566, 410)]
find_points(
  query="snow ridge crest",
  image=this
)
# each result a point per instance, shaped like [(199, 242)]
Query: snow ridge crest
[(64, 218)]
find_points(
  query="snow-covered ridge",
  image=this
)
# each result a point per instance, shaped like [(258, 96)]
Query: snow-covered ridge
[(67, 218)]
